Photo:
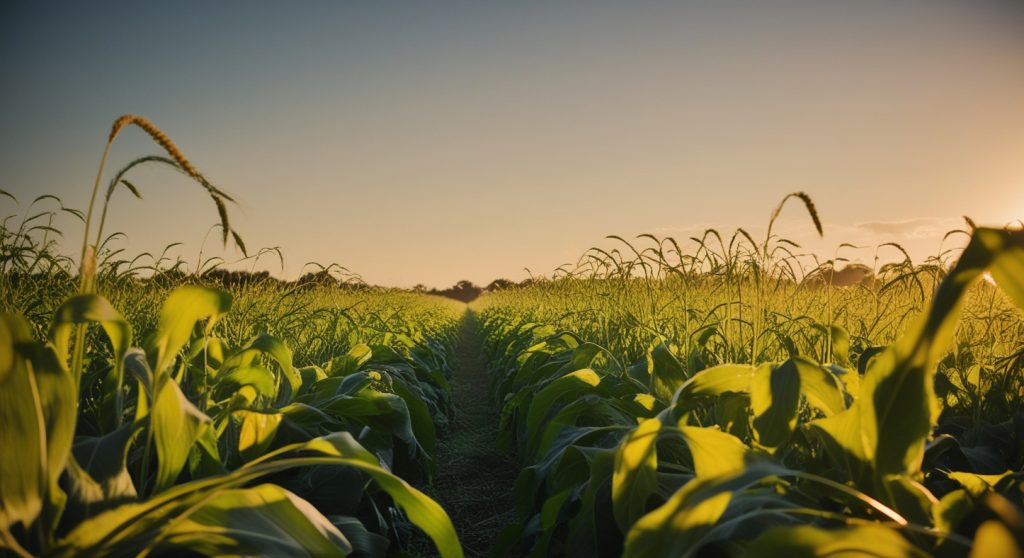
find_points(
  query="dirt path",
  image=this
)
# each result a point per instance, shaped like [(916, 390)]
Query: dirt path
[(474, 480)]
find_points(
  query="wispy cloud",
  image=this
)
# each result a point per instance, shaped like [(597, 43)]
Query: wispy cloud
[(922, 227)]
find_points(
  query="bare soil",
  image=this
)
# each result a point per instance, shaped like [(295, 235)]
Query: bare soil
[(474, 479)]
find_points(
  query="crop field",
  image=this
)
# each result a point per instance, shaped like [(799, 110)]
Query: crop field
[(721, 395), (713, 404)]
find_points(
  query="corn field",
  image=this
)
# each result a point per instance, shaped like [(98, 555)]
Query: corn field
[(717, 395)]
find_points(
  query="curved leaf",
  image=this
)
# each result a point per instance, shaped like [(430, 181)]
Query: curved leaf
[(182, 309), (175, 424), (264, 520), (38, 400), (636, 473), (811, 542)]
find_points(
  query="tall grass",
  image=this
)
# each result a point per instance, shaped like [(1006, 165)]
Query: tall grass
[(121, 443), (734, 398)]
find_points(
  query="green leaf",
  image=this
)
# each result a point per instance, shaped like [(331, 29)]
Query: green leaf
[(911, 499), (204, 458), (90, 308), (127, 529), (841, 438), (421, 510), (383, 412), (419, 415), (636, 473), (993, 539), (677, 527), (98, 473), (176, 424), (183, 308), (583, 357), (273, 347), (689, 525), (549, 514), (666, 373), (351, 361), (978, 485), (38, 402), (264, 520), (840, 343), (714, 381), (364, 542), (1006, 248), (951, 509), (775, 400), (586, 530), (775, 397), (805, 541), (896, 409), (261, 380), (574, 383), (256, 431), (731, 413), (820, 386), (884, 431), (311, 375), (715, 453)]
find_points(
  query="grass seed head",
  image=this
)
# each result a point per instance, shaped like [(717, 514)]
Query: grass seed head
[(159, 137)]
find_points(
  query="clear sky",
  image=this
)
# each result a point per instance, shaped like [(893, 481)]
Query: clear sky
[(427, 142)]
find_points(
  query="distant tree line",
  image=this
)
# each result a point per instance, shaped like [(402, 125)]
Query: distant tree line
[(466, 291)]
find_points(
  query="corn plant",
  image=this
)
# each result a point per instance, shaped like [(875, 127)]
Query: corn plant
[(158, 448), (121, 493), (839, 446)]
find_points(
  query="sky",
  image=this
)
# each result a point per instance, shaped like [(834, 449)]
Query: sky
[(430, 142)]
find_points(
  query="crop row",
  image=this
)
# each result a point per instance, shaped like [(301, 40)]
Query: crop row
[(679, 451), (150, 451)]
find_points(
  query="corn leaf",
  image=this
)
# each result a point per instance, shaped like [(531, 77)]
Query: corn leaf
[(805, 541), (182, 309), (37, 423), (176, 424), (636, 473), (264, 520)]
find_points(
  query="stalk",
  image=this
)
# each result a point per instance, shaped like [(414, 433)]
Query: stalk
[(87, 269), (87, 276)]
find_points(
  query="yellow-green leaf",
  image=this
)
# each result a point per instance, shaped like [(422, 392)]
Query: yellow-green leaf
[(37, 424), (636, 473), (183, 308)]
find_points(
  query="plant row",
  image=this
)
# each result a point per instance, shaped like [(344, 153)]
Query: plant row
[(670, 454), (182, 440)]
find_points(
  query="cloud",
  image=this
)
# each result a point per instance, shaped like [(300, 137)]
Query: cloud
[(924, 227)]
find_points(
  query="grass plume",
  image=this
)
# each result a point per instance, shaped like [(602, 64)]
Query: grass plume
[(159, 137)]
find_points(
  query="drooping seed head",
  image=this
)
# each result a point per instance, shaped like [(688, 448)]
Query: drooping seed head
[(159, 137)]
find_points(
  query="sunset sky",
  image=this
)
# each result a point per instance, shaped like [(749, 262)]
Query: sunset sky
[(428, 142)]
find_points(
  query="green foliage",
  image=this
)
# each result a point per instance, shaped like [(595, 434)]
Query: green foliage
[(112, 450), (37, 414), (729, 400), (807, 541), (176, 448), (718, 448)]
